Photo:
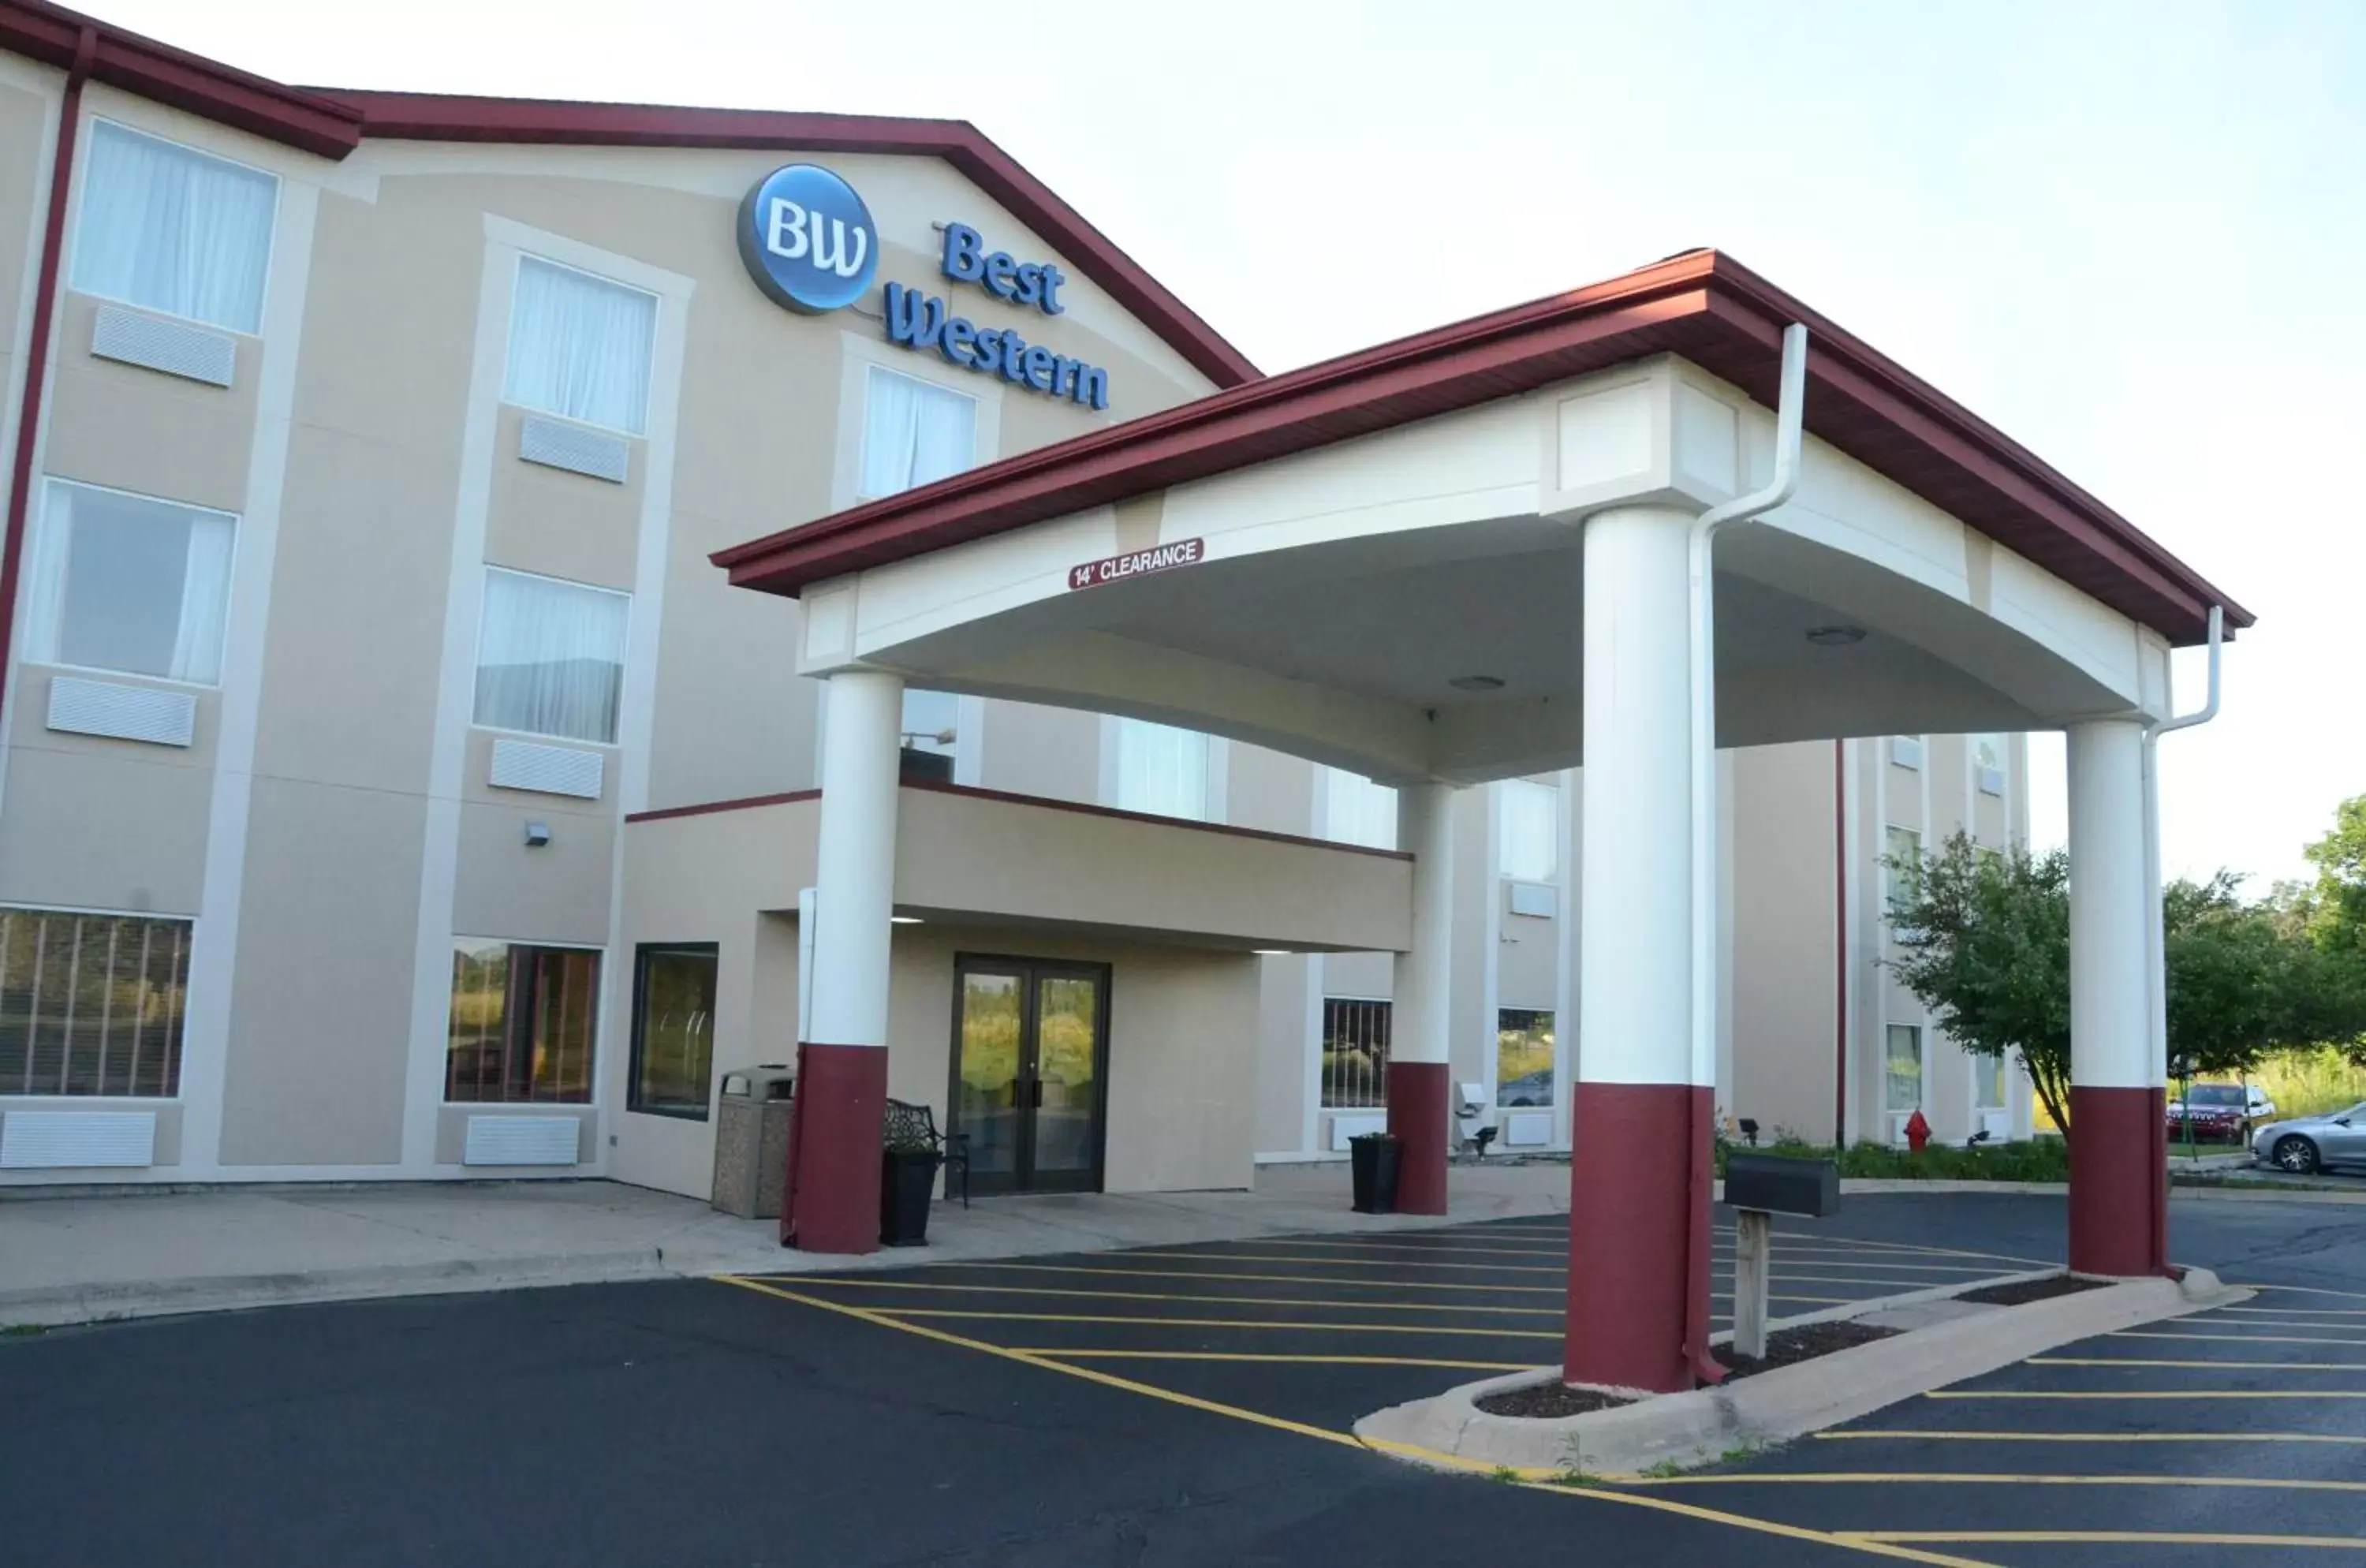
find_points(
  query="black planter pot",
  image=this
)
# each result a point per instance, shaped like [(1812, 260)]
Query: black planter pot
[(906, 1180), (1372, 1160)]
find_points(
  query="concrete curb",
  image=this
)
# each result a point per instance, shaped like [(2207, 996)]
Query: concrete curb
[(1686, 1429), (68, 1305)]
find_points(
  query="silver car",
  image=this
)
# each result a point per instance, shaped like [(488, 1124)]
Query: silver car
[(2311, 1143)]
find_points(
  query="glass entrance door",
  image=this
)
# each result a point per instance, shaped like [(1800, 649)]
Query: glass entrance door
[(1031, 1056)]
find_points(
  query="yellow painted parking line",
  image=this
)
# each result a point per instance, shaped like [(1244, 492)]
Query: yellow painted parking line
[(2235, 1339), (2133, 1361), (2147, 1394), (1557, 1292), (2096, 1538), (1058, 1354), (1328, 1262), (857, 1282), (1983, 1478), (2101, 1436), (902, 1314), (1359, 1245), (1190, 1402)]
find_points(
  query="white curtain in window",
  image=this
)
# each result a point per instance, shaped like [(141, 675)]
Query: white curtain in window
[(47, 572), (172, 230), (1162, 770), (1357, 811), (126, 583), (579, 346), (551, 657), (205, 600), (913, 434), (1527, 830)]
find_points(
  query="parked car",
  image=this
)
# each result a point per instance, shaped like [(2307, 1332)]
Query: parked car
[(2220, 1110), (2313, 1143)]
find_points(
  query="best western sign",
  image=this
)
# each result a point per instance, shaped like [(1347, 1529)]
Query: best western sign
[(809, 242)]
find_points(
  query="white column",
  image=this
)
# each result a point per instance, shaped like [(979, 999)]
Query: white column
[(1423, 992), (854, 878), (2111, 956), (1634, 862)]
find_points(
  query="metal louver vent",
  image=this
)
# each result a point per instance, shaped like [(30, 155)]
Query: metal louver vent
[(126, 713), (552, 770), (174, 347), (59, 1140), (521, 1140), (555, 445)]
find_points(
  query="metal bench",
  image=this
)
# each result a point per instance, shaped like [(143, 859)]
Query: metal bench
[(915, 1126)]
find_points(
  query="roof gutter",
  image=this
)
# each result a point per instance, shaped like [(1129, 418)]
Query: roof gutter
[(36, 350), (1788, 423)]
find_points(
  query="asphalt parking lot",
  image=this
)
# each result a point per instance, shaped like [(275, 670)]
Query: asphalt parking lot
[(1323, 1330)]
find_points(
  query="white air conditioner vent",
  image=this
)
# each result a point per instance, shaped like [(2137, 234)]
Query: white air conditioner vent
[(551, 769), (176, 348), (1345, 1127), (521, 1140), (59, 1140), (556, 444), (78, 707)]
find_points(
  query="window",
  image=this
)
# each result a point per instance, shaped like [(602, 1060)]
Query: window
[(673, 1030), (1527, 836), (172, 230), (550, 658), (1524, 1058), (1989, 1082), (1901, 866), (124, 583), (913, 433), (1988, 762), (91, 1004), (523, 1019), (1162, 770), (1903, 1078), (1357, 811), (1355, 1054), (579, 346), (932, 730)]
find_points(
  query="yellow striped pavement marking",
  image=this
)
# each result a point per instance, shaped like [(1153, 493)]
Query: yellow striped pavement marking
[(1983, 1478), (904, 1313), (1557, 1291), (857, 1282), (1056, 1353), (2235, 1339), (2147, 1394), (2095, 1538), (2101, 1436)]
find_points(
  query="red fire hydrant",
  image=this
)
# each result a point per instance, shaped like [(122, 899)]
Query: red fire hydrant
[(1918, 1132)]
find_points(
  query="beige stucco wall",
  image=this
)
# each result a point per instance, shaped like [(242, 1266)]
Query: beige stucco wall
[(1784, 962)]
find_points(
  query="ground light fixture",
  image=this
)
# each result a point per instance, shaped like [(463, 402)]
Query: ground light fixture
[(1836, 636), (1476, 684)]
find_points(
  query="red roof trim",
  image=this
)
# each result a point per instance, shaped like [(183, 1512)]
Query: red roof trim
[(1701, 305), (184, 81)]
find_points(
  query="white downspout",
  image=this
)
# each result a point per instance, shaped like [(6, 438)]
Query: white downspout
[(2154, 958), (1741, 509)]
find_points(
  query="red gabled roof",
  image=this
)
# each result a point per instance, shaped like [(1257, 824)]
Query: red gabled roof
[(1701, 305), (330, 123)]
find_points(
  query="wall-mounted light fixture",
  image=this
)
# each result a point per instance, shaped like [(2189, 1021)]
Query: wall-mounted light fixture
[(537, 835)]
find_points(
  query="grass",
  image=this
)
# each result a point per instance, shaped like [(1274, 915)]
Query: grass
[(21, 1330), (2310, 1083)]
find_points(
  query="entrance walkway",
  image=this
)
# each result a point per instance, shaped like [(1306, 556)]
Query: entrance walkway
[(134, 1254)]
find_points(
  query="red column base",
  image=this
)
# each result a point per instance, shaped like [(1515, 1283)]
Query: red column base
[(830, 1201), (1418, 1116), (2119, 1180), (1633, 1232)]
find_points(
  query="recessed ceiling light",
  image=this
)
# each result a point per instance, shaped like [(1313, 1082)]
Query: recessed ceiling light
[(1836, 636), (902, 919), (1270, 952), (1476, 684)]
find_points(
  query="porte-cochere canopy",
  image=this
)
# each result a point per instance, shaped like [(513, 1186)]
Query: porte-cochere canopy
[(1374, 561)]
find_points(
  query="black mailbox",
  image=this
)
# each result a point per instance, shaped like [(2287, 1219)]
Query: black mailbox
[(1781, 1186)]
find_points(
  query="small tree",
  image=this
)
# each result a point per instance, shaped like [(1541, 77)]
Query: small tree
[(2330, 990), (1984, 939)]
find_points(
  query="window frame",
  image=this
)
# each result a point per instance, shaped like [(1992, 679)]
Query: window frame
[(1896, 892), (1507, 789), (642, 954), (33, 587), (1383, 1010), (178, 1093), (1211, 805), (650, 369), (1495, 1059), (1921, 1067), (592, 1085), (81, 201), (1358, 788), (623, 660), (862, 446)]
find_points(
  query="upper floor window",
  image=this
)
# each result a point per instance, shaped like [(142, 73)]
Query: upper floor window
[(579, 346), (913, 433), (550, 658), (1901, 851), (1357, 811), (931, 726), (129, 584), (171, 229), (1162, 770), (1988, 762), (1527, 830)]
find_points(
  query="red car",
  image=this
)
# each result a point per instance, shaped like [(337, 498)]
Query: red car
[(2220, 1112)]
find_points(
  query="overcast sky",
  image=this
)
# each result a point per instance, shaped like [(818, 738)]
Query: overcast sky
[(2130, 235)]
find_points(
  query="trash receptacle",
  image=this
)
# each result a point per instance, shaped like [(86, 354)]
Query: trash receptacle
[(751, 1140), (1372, 1159)]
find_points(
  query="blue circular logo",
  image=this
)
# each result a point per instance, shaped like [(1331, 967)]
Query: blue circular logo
[(807, 239)]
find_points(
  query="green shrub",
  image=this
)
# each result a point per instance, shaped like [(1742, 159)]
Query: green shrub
[(2043, 1159)]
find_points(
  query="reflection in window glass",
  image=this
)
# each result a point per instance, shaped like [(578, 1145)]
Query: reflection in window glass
[(673, 1030), (1527, 835), (1902, 856), (1524, 1058), (932, 727), (126, 583), (550, 659), (92, 1004), (1903, 1076), (1989, 1082), (523, 1022), (1355, 1054)]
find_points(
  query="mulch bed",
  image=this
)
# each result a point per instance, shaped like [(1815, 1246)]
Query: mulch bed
[(1544, 1401), (2031, 1291), (1789, 1346)]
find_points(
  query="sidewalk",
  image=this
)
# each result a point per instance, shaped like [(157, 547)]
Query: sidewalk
[(81, 1259)]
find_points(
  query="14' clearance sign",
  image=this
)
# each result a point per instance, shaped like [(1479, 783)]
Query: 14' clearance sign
[(1134, 563)]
